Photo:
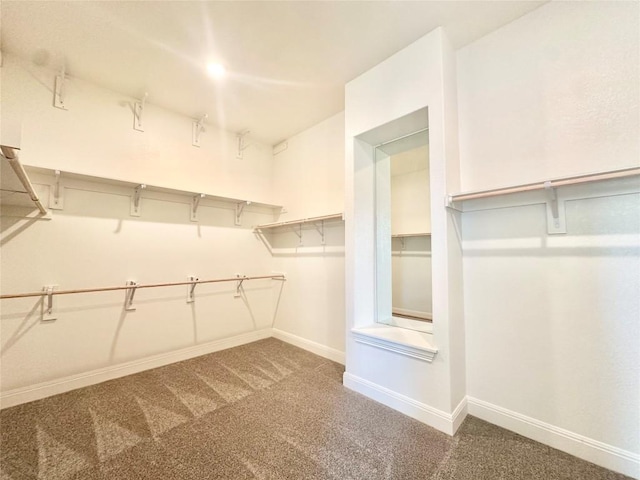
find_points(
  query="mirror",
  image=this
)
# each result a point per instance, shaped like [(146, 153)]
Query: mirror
[(403, 228)]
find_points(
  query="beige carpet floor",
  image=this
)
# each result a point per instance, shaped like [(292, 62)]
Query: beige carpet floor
[(266, 410)]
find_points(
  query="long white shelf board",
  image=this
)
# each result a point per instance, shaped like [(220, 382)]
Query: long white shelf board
[(148, 187)]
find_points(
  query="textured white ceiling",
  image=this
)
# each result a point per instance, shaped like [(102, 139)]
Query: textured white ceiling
[(288, 61)]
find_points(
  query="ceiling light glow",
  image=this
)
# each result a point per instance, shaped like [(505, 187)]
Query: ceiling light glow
[(216, 70)]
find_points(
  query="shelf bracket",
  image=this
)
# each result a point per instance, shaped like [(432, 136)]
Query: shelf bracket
[(191, 289), (59, 90), (56, 198), (195, 203), (239, 209), (402, 244), (298, 233), (138, 110), (130, 292), (136, 200), (320, 231), (556, 218), (241, 279), (47, 307), (242, 143), (197, 129)]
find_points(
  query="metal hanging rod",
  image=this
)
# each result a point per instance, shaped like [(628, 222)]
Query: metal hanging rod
[(128, 287), (301, 221), (402, 137), (558, 182), (10, 154)]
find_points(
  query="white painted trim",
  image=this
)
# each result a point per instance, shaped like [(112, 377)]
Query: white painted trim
[(18, 396), (431, 416), (412, 313), (311, 346), (410, 343), (459, 414), (602, 454)]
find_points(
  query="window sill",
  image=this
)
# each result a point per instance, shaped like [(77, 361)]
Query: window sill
[(399, 340)]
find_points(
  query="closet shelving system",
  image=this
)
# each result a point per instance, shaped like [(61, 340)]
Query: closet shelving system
[(17, 189), (605, 183), (403, 236)]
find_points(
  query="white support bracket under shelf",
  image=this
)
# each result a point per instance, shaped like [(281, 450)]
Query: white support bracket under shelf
[(136, 200), (197, 129), (556, 216), (195, 203), (56, 193), (242, 143), (59, 90), (138, 111), (320, 230), (239, 210)]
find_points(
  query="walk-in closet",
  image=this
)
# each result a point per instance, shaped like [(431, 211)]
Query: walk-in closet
[(319, 240)]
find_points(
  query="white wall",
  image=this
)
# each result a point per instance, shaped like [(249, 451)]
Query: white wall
[(555, 93), (94, 241), (309, 180)]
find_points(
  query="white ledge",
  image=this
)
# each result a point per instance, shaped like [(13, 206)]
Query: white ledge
[(399, 340)]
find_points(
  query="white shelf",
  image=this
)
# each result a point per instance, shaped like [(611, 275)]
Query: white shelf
[(410, 343), (408, 235), (266, 226), (148, 187)]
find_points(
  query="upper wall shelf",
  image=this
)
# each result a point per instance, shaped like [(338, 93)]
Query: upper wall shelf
[(17, 189), (58, 178), (267, 226), (611, 182)]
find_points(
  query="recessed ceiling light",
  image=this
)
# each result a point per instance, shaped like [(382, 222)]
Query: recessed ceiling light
[(216, 70)]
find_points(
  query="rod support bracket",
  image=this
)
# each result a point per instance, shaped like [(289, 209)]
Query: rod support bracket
[(129, 294), (47, 304), (191, 288), (241, 279)]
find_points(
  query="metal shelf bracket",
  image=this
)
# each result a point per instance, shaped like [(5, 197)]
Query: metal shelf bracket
[(320, 231), (59, 90), (56, 197), (556, 218), (138, 110), (242, 143), (195, 203), (196, 129), (239, 209), (136, 200)]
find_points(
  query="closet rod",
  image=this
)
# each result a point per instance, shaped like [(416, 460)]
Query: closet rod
[(10, 154), (129, 287), (296, 222), (559, 182)]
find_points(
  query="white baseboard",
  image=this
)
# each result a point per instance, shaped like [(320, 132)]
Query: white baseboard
[(445, 422), (313, 347), (46, 389), (593, 451)]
